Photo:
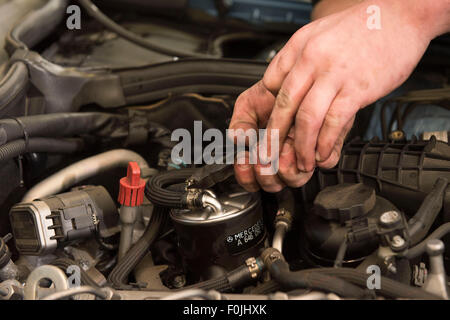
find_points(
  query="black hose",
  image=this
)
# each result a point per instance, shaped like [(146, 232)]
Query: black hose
[(203, 76), (119, 275), (420, 248), (234, 279), (36, 26), (105, 245), (18, 147), (421, 222), (5, 253), (65, 124), (220, 284), (13, 86), (237, 278), (388, 287), (158, 188), (279, 270), (95, 13)]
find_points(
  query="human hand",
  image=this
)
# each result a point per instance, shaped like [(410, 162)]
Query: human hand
[(327, 71)]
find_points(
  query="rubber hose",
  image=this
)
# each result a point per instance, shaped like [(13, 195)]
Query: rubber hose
[(388, 288), (37, 25), (48, 145), (13, 86), (65, 124), (121, 271), (206, 76), (237, 278), (220, 284), (81, 170), (420, 248), (157, 189), (5, 253), (421, 222), (313, 280)]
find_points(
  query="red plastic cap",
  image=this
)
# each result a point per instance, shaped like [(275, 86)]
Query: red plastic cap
[(131, 191)]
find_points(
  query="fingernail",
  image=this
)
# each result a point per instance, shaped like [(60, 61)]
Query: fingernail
[(264, 158), (318, 158), (244, 166)]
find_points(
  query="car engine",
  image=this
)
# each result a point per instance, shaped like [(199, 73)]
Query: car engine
[(99, 202)]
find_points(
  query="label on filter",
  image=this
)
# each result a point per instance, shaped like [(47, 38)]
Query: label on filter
[(246, 238)]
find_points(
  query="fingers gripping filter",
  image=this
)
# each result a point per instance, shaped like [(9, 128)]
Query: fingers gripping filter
[(131, 193)]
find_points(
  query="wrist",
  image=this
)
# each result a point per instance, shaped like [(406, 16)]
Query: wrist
[(430, 16)]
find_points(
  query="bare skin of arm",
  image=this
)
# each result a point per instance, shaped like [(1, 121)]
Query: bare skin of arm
[(327, 7), (325, 73)]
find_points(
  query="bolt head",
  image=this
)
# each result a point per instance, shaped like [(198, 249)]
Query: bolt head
[(389, 218), (397, 241), (274, 256), (435, 247), (179, 281)]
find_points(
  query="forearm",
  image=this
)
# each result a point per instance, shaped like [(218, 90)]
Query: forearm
[(327, 7), (436, 14)]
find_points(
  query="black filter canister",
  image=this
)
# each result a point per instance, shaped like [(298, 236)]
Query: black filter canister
[(213, 242)]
